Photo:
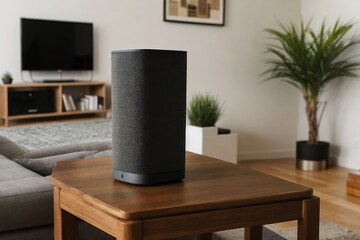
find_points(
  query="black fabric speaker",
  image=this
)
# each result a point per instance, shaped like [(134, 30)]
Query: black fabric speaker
[(148, 114)]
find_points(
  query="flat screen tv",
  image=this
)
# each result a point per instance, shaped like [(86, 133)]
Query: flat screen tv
[(56, 45)]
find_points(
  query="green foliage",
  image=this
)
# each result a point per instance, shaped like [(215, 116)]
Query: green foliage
[(309, 60), (7, 76), (204, 110)]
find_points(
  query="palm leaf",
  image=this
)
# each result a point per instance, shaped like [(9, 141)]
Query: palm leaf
[(308, 59)]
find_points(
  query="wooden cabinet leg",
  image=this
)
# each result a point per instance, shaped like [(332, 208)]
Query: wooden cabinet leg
[(65, 224), (308, 226), (253, 233)]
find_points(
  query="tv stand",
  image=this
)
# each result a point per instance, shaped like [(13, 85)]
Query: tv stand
[(58, 80), (75, 89)]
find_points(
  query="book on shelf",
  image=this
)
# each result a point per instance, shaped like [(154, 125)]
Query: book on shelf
[(90, 103), (72, 103), (66, 103), (86, 103), (93, 102), (81, 104)]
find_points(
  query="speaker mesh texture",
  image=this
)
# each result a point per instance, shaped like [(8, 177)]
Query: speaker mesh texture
[(149, 111)]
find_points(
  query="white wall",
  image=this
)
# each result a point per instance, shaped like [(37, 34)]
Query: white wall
[(340, 124), (222, 60)]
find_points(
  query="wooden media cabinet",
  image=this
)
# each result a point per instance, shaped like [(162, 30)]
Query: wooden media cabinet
[(75, 89)]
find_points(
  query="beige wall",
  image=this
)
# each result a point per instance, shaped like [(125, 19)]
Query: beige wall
[(340, 124), (222, 60)]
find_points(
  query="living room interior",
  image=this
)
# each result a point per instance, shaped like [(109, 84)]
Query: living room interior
[(226, 61)]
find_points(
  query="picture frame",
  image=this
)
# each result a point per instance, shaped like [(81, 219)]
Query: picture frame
[(208, 12)]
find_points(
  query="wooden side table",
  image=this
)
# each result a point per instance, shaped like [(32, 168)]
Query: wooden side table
[(214, 196)]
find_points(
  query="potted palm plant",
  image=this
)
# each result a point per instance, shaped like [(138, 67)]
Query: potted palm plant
[(309, 60)]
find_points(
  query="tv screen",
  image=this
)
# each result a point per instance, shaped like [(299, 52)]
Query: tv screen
[(56, 45)]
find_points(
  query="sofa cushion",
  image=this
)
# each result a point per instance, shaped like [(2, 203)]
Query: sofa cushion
[(33, 233), (10, 149), (43, 161), (9, 171), (25, 197), (105, 153), (65, 149), (45, 165)]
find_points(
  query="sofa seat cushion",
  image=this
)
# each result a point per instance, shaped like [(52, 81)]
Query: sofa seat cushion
[(25, 197), (10, 170)]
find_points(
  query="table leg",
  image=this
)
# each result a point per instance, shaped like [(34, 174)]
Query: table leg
[(131, 231), (65, 224), (253, 233), (308, 226), (57, 215)]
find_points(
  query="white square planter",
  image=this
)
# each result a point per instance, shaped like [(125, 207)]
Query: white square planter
[(207, 142)]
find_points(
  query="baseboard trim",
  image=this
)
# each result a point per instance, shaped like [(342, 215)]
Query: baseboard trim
[(266, 155), (340, 161), (345, 162)]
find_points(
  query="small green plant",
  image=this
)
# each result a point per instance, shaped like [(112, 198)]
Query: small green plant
[(7, 76), (204, 110)]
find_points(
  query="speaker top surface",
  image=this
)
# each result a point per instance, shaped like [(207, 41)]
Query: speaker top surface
[(147, 51)]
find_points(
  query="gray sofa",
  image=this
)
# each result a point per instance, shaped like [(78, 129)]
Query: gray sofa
[(26, 194)]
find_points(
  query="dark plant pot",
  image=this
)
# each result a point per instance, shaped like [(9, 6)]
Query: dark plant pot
[(312, 157), (7, 80)]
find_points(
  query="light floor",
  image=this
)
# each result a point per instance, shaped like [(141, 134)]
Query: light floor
[(329, 185)]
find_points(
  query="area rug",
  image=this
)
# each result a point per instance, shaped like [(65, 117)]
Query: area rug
[(49, 135), (328, 231)]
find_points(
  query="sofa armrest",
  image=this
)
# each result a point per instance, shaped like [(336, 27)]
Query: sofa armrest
[(45, 165), (10, 149)]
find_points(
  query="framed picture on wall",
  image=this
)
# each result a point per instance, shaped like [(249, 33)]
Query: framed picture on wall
[(210, 12)]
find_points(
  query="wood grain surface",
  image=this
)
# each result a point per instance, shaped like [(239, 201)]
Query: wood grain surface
[(209, 185)]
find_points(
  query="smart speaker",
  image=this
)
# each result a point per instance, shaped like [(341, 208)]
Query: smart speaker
[(148, 115)]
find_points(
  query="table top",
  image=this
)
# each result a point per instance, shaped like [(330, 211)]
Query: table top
[(209, 184)]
